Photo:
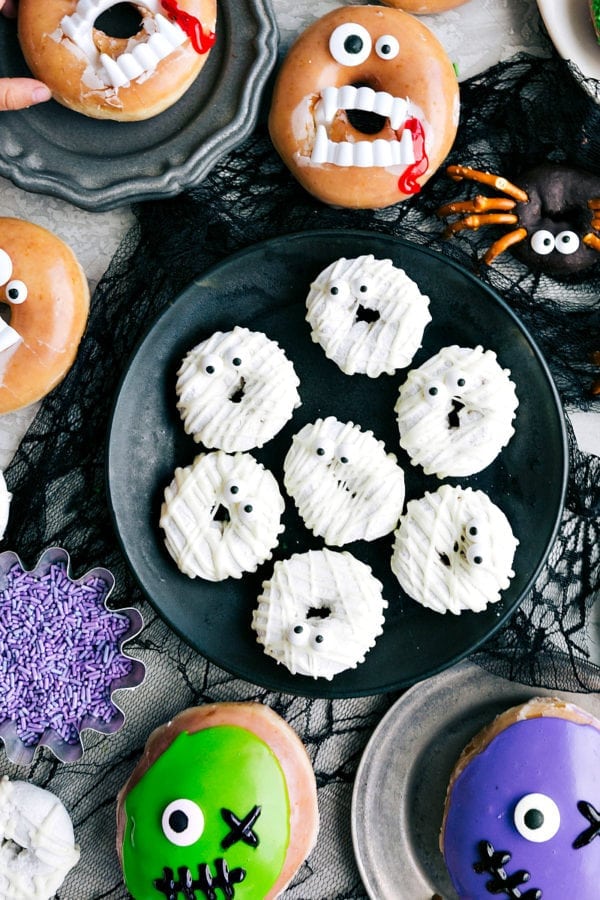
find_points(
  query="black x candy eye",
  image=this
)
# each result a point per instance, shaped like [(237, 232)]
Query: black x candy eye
[(593, 816), (241, 829)]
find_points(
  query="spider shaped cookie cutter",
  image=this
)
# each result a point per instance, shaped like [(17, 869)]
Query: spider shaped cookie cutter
[(554, 211)]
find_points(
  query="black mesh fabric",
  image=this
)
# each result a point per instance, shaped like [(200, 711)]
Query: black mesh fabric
[(513, 116)]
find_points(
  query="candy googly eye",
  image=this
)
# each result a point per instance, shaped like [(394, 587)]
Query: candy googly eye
[(455, 380), (345, 453), (567, 242), (182, 822), (387, 46), (542, 242), (317, 640), (475, 555), (475, 529), (234, 490), (6, 267), (339, 289), (299, 635), (537, 818), (16, 291), (247, 509), (324, 449), (211, 364), (350, 44), (435, 392), (362, 287), (236, 360)]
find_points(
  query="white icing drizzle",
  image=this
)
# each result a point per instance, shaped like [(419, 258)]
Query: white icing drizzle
[(398, 151), (488, 403), (319, 579), (399, 309), (431, 558), (360, 499), (9, 338), (5, 498), (35, 820), (160, 37), (205, 547), (265, 374)]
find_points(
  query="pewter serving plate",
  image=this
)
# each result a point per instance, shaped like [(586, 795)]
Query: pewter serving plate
[(400, 785), (264, 288), (100, 164)]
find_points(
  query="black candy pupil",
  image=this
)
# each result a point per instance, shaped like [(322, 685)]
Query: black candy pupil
[(298, 629), (236, 361), (210, 369), (248, 508), (320, 451), (13, 293), (178, 821), (461, 382), (335, 290), (433, 391), (353, 44), (319, 639), (385, 49), (534, 818)]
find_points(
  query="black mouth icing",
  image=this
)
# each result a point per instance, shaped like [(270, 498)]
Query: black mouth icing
[(184, 887), (364, 314), (493, 862)]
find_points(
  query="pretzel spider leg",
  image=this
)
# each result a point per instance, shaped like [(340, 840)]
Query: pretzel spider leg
[(458, 173), (476, 205), (503, 243), (474, 222)]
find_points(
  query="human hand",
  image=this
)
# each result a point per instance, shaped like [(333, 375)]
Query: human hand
[(18, 93)]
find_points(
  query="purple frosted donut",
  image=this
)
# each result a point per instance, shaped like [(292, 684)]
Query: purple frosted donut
[(522, 810)]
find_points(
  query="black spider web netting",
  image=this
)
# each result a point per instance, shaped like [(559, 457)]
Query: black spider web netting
[(515, 115)]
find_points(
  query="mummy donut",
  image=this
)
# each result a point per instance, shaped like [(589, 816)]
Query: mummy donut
[(454, 550), (37, 845), (365, 107), (223, 803), (455, 412), (221, 516), (345, 485), (368, 315), (236, 390), (319, 613), (48, 297), (133, 70), (522, 811)]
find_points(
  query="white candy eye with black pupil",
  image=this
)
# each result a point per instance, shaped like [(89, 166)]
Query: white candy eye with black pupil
[(537, 818), (387, 46), (435, 392), (338, 289), (350, 44), (317, 641), (212, 365), (542, 242), (16, 291), (298, 635), (236, 361), (6, 267), (182, 822), (567, 242), (324, 449), (475, 555)]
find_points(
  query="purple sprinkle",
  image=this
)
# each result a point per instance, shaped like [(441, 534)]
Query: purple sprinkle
[(59, 652)]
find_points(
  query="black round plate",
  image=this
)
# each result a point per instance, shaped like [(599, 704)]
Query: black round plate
[(264, 288), (100, 164)]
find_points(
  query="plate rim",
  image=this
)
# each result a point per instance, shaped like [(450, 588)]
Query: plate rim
[(313, 687), (453, 677), (173, 178), (555, 14)]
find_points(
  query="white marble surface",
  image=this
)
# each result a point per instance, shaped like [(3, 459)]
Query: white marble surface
[(475, 36)]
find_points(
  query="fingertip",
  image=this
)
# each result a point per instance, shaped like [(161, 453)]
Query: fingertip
[(40, 94)]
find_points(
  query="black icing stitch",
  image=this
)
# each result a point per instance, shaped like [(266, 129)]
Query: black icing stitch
[(241, 829), (206, 882), (493, 863), (593, 816)]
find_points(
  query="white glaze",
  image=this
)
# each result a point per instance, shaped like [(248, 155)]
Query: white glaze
[(35, 820), (360, 499), (5, 498), (207, 548), (431, 557), (270, 392), (160, 37), (485, 420), (319, 579), (369, 347)]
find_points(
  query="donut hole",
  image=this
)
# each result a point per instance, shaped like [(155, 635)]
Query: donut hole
[(453, 417), (237, 395), (364, 121), (122, 21), (221, 514), (445, 559), (5, 312), (364, 314), (318, 612)]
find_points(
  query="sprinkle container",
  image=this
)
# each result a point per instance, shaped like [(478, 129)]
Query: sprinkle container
[(61, 656)]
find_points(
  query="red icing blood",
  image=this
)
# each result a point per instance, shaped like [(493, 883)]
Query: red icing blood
[(201, 41), (407, 182)]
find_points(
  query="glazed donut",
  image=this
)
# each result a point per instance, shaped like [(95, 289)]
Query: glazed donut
[(221, 516), (345, 485), (365, 107), (522, 807), (455, 411), (236, 390), (37, 845), (319, 613), (48, 297), (367, 314), (223, 793), (454, 550), (424, 7), (109, 77)]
